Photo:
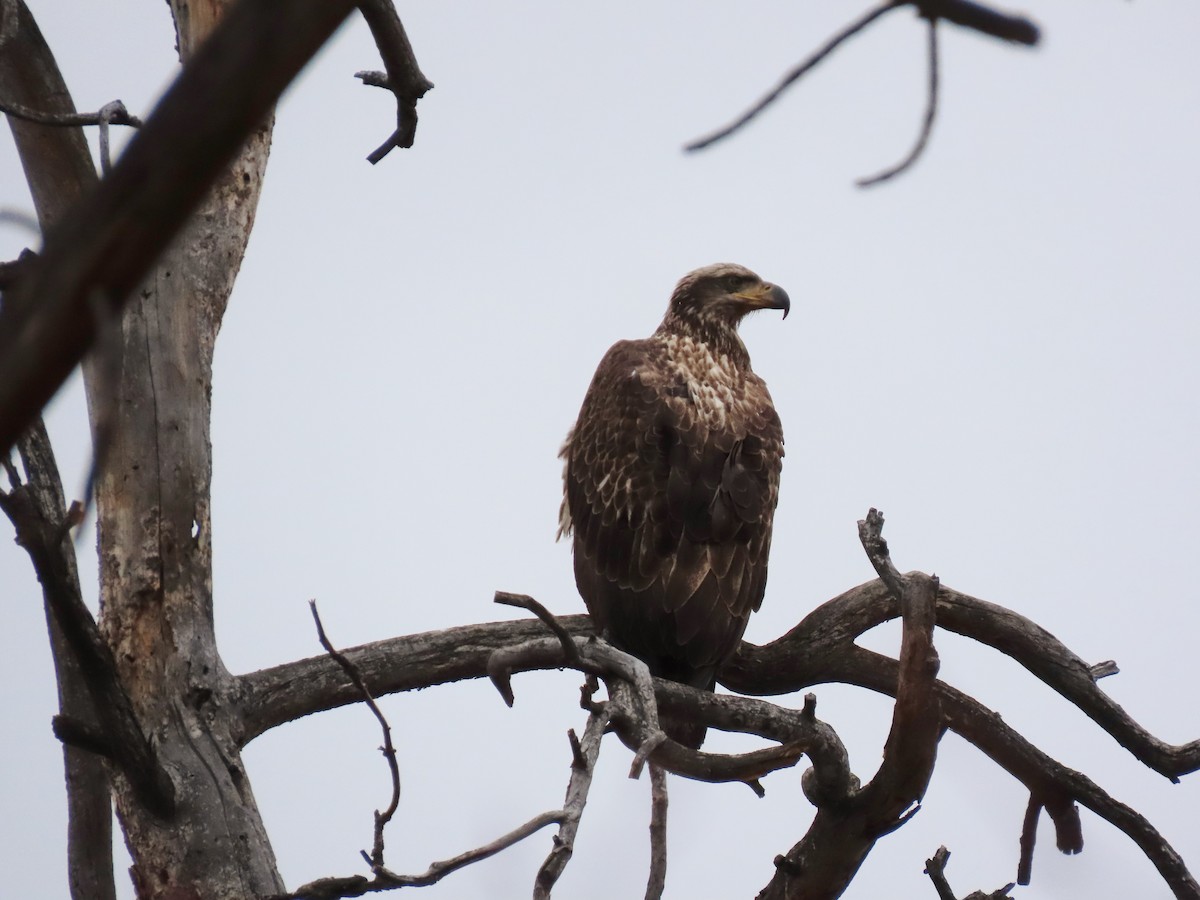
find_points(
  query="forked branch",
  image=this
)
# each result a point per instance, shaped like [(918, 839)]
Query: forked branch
[(388, 749), (935, 868), (358, 885), (402, 77), (820, 649), (841, 835), (585, 752), (965, 13)]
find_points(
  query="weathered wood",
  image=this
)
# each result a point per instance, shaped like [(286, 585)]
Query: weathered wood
[(150, 416), (97, 255)]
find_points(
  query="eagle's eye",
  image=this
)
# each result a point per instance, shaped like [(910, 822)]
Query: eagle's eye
[(733, 283)]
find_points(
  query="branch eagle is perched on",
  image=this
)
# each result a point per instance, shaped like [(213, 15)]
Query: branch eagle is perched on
[(670, 481)]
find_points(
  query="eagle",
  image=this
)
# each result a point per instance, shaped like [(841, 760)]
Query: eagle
[(670, 479)]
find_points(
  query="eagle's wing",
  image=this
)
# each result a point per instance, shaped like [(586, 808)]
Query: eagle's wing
[(672, 519)]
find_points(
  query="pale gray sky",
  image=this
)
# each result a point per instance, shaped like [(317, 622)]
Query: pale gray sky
[(997, 350)]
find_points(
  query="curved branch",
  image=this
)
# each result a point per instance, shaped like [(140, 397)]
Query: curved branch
[(931, 105), (403, 76), (284, 693), (820, 649), (384, 880), (827, 858), (797, 659), (388, 749), (634, 711), (961, 12), (585, 752), (1052, 662), (794, 75), (113, 113), (911, 748), (1056, 786)]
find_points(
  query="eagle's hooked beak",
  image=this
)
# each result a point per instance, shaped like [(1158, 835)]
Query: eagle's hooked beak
[(766, 296)]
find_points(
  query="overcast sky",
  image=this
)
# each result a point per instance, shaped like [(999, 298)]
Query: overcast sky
[(997, 350)]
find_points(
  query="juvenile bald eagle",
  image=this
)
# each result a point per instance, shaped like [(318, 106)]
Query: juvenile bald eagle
[(670, 480)]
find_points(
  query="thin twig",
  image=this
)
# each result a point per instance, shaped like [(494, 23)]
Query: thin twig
[(931, 105), (794, 75), (388, 749), (583, 763), (961, 12), (113, 113), (657, 881), (524, 601), (108, 115), (358, 885)]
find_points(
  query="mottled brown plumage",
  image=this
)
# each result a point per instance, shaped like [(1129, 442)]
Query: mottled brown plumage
[(670, 481)]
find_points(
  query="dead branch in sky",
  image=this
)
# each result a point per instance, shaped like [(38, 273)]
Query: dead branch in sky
[(584, 753), (402, 77), (931, 106), (113, 113), (935, 868), (385, 880), (375, 859), (965, 13)]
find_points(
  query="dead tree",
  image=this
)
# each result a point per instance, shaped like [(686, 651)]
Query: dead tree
[(138, 268)]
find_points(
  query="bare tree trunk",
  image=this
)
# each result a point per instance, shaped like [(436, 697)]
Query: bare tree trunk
[(150, 417)]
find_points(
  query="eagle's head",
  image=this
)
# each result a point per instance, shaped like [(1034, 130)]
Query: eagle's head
[(709, 303), (718, 296)]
